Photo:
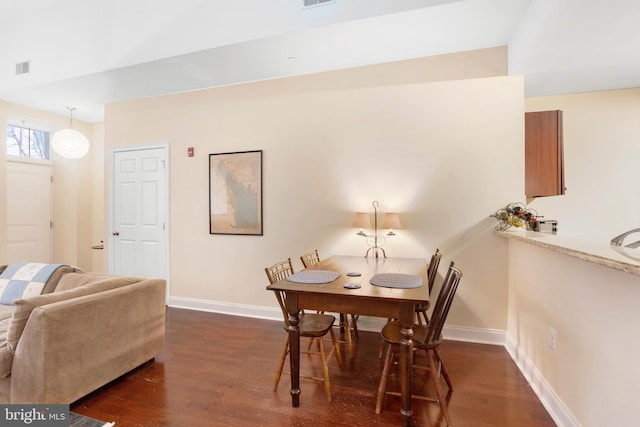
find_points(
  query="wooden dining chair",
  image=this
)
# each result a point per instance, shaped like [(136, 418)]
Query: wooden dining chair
[(310, 325), (427, 338), (421, 309), (347, 326)]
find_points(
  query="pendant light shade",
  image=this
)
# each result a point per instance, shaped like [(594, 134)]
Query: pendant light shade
[(70, 143)]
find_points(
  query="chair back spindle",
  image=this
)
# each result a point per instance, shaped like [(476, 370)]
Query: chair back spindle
[(275, 273), (279, 271), (310, 259), (443, 304), (432, 270)]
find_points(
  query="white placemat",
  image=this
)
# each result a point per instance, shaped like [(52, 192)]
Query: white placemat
[(314, 276), (396, 280)]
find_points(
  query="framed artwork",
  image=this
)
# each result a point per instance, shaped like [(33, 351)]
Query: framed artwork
[(235, 193)]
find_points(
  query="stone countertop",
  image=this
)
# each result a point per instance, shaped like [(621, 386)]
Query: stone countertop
[(617, 257)]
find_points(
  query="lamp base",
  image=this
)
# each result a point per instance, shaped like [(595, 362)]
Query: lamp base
[(375, 251)]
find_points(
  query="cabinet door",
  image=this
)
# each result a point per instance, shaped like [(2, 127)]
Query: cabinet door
[(544, 159)]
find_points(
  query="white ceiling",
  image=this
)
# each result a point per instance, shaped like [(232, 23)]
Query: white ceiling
[(86, 54)]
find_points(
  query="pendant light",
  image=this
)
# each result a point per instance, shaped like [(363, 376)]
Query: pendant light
[(70, 143)]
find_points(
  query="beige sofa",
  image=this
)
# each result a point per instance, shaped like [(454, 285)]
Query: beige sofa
[(84, 331)]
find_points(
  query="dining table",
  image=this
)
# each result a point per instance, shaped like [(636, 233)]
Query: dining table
[(399, 284)]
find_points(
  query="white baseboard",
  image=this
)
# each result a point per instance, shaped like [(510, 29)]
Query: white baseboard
[(550, 400), (558, 411), (365, 323), (475, 335), (226, 308)]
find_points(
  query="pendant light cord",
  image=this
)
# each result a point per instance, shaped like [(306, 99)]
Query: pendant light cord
[(71, 116)]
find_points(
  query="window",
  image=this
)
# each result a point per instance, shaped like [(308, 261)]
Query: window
[(25, 142)]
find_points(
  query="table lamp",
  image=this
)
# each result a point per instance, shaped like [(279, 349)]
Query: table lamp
[(362, 221)]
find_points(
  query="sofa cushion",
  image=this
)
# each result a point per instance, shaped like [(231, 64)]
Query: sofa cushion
[(22, 308), (52, 283), (5, 312), (75, 280)]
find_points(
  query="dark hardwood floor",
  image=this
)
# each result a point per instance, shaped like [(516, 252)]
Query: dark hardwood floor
[(217, 370)]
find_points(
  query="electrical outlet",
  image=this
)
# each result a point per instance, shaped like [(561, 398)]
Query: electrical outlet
[(552, 338)]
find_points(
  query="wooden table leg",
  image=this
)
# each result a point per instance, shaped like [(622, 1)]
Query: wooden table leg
[(406, 361), (294, 347)]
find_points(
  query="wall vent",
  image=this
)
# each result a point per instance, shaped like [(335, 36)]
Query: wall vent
[(23, 67), (313, 3)]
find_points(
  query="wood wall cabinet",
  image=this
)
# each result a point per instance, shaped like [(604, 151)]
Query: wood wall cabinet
[(544, 158)]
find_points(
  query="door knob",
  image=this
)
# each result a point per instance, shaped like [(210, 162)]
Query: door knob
[(116, 233)]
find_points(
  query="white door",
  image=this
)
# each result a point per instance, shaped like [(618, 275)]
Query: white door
[(28, 212), (139, 212)]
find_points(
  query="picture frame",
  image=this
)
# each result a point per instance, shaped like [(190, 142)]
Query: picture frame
[(235, 193)]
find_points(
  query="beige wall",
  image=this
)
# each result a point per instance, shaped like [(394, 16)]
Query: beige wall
[(72, 215), (444, 155), (602, 158), (3, 184), (99, 259), (593, 378), (343, 134)]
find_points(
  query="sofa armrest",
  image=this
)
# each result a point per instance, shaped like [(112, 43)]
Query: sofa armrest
[(72, 347)]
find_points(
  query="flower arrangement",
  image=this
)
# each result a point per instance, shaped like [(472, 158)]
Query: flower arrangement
[(516, 215)]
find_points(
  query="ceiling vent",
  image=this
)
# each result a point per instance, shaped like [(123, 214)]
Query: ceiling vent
[(23, 67), (314, 3)]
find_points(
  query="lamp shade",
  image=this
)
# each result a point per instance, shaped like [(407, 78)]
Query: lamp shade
[(70, 144), (361, 220), (391, 221)]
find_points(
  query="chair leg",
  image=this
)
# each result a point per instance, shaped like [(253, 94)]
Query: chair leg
[(313, 339), (382, 348), (382, 343), (443, 369), (386, 370), (325, 370), (283, 357), (336, 348), (310, 344), (433, 373)]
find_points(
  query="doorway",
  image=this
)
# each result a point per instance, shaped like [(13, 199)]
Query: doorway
[(29, 189), (139, 212)]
